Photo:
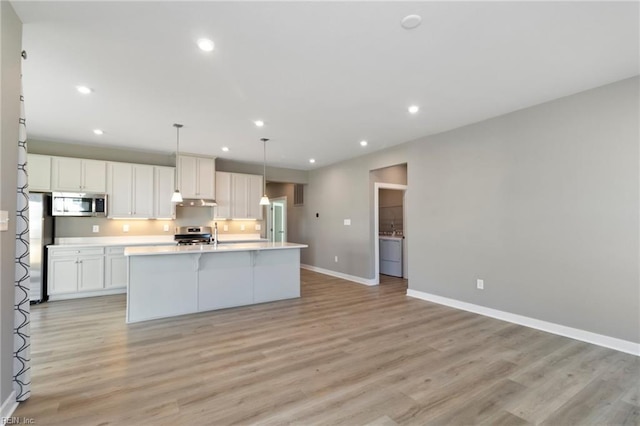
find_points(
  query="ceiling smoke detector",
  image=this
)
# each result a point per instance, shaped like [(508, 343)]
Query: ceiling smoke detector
[(410, 22)]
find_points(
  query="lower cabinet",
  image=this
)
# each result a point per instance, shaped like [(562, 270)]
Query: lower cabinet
[(115, 268), (75, 270), (86, 272)]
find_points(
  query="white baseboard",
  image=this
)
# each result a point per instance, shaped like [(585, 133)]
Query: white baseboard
[(347, 277), (574, 333), (8, 407), (82, 294)]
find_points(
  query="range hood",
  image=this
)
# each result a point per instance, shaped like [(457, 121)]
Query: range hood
[(198, 202)]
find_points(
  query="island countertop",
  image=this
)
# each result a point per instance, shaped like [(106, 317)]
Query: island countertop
[(209, 248)]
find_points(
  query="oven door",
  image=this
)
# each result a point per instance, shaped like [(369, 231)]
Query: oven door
[(68, 204)]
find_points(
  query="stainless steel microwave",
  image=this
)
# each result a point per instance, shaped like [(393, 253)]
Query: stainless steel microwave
[(78, 204)]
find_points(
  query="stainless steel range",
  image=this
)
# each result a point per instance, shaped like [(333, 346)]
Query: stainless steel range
[(193, 235)]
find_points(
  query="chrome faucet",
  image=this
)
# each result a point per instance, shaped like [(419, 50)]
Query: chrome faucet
[(215, 234)]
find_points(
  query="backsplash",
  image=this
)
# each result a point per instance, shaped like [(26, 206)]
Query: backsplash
[(66, 227)]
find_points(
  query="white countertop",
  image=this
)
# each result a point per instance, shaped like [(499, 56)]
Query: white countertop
[(389, 237), (145, 240), (211, 248)]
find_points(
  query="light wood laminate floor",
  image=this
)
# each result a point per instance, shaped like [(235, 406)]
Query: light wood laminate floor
[(344, 353)]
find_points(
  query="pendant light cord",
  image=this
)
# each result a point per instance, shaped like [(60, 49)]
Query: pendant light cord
[(264, 163), (177, 126)]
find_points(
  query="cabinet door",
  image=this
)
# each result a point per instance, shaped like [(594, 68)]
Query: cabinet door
[(253, 197), (66, 174), (164, 186), (116, 271), (39, 168), (223, 195), (63, 275), (188, 178), (91, 273), (142, 191), (206, 178), (120, 189), (239, 189), (94, 176)]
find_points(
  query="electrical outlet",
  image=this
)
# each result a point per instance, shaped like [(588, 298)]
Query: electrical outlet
[(258, 227), (95, 228), (480, 284), (347, 222), (336, 259), (242, 227), (166, 228), (125, 228), (225, 228)]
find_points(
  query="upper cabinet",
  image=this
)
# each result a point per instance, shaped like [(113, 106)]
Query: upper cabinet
[(223, 195), (238, 196), (76, 174), (130, 188), (197, 177), (163, 187), (39, 168)]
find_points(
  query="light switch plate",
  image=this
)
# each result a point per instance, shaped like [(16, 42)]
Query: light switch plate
[(258, 227), (242, 227), (125, 228), (347, 222), (95, 228), (4, 220), (166, 228), (225, 228)]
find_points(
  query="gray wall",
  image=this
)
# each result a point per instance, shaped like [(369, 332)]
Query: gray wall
[(274, 174), (296, 222), (10, 70), (542, 204), (345, 191)]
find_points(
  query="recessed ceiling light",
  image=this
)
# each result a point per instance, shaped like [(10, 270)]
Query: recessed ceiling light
[(410, 22), (364, 143), (414, 108), (98, 132), (312, 160), (225, 148), (84, 90), (259, 123), (205, 44)]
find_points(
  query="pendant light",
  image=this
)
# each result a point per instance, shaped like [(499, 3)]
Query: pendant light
[(177, 197), (264, 201)]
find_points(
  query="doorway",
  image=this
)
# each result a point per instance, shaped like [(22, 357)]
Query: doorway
[(277, 220), (392, 220)]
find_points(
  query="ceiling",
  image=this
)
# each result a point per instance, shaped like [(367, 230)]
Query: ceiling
[(322, 75)]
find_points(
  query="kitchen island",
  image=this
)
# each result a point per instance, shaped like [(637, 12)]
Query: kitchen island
[(166, 281)]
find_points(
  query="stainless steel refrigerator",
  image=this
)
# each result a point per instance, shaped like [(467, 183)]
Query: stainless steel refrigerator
[(40, 235)]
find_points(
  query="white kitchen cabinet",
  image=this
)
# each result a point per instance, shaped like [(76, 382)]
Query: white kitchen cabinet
[(254, 194), (223, 195), (39, 168), (115, 268), (75, 270), (197, 177), (63, 275), (238, 196), (130, 188), (90, 272), (163, 187), (78, 175)]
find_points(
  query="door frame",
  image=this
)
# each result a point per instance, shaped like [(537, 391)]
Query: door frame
[(269, 223), (376, 227)]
